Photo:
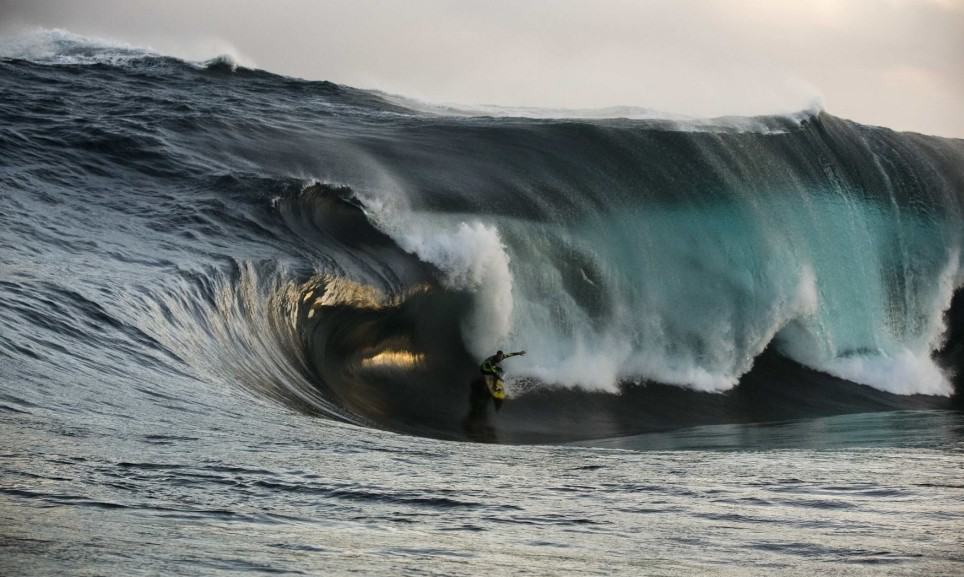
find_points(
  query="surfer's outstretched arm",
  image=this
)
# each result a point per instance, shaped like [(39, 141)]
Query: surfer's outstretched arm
[(516, 354)]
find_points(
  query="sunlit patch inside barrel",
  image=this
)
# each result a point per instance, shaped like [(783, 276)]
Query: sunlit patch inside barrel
[(332, 291), (393, 358)]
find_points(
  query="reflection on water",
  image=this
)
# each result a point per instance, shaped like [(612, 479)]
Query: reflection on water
[(259, 491), (881, 430)]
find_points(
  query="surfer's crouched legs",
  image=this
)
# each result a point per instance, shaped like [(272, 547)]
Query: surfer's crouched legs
[(476, 423)]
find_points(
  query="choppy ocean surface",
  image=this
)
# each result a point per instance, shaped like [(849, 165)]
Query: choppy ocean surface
[(241, 317), (196, 490)]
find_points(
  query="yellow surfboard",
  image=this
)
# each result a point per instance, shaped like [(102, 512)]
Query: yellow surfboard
[(496, 387)]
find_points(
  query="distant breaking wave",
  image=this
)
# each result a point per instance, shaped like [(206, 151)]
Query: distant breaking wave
[(355, 255), (670, 121), (58, 46)]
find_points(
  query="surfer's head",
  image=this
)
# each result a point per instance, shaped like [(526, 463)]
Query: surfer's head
[(499, 355)]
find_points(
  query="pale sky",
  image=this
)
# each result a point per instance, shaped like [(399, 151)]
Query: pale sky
[(896, 63)]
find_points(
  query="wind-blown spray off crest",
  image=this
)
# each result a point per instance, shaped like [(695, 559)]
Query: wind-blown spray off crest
[(472, 258)]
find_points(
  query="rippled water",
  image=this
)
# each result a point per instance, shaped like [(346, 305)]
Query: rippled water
[(166, 492)]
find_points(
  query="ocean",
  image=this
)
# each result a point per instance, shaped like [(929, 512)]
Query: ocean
[(241, 317)]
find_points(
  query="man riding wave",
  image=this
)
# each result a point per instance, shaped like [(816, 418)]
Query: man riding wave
[(491, 366)]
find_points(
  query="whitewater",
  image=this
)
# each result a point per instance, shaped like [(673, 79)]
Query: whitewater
[(241, 317)]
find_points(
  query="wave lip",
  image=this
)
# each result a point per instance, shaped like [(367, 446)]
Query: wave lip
[(767, 124)]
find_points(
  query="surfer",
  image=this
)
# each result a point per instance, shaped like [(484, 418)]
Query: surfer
[(491, 366), (489, 387), (492, 376)]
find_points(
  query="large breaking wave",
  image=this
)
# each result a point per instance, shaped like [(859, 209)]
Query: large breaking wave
[(349, 255)]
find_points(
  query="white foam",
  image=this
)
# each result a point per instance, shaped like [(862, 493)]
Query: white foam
[(473, 258), (585, 367), (600, 362), (950, 280), (58, 46), (469, 253), (904, 372), (904, 367)]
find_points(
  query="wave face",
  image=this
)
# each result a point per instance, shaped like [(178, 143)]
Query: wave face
[(353, 257)]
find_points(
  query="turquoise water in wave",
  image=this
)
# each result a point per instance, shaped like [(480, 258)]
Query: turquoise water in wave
[(692, 294)]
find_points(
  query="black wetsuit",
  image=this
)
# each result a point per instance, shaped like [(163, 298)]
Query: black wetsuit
[(490, 366)]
